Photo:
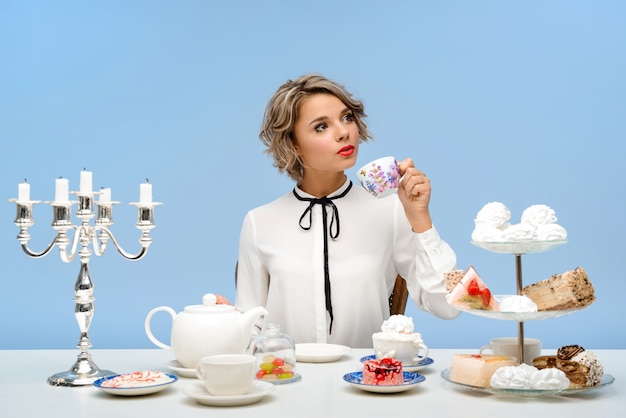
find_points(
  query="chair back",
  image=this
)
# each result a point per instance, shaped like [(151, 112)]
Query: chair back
[(399, 296)]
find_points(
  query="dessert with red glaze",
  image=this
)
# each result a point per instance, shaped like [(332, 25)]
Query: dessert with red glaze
[(383, 372)]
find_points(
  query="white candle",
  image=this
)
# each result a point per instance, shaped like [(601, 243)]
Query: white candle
[(62, 190), (105, 197), (145, 193), (23, 192), (85, 181)]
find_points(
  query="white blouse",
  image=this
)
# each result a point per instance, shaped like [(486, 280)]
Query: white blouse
[(281, 265)]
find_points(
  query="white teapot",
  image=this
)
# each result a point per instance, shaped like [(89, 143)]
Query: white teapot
[(207, 329)]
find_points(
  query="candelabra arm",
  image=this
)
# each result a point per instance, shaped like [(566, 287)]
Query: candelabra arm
[(33, 254), (145, 243), (99, 242), (63, 241)]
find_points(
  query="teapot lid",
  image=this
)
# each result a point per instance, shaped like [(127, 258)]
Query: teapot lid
[(209, 305)]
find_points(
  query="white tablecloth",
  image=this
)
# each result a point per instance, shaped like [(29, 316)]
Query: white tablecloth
[(322, 392)]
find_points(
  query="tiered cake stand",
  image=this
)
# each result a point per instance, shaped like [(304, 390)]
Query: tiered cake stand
[(518, 249)]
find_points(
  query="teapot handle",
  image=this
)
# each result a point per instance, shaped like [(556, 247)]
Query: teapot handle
[(151, 336)]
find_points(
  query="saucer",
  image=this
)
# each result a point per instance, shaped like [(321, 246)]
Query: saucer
[(410, 380), (182, 371), (136, 388), (320, 353), (198, 392), (425, 362)]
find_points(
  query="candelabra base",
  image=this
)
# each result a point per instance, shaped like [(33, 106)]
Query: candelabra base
[(83, 372)]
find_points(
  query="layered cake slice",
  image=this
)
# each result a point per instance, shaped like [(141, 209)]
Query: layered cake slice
[(472, 293), (477, 369), (582, 367), (383, 372), (569, 290)]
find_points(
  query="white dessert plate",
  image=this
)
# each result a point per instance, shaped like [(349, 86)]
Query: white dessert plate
[(198, 392), (174, 365), (425, 362), (320, 353), (410, 380), (520, 247), (140, 388), (519, 316), (606, 380)]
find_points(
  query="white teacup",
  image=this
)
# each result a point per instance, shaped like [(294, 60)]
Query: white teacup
[(406, 348), (227, 374), (380, 177), (508, 346)]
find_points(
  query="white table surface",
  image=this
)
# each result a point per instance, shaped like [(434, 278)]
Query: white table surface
[(322, 392)]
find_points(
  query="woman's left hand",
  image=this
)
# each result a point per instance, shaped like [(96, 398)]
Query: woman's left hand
[(414, 193)]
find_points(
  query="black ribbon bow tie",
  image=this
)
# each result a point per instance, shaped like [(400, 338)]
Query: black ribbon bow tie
[(333, 232)]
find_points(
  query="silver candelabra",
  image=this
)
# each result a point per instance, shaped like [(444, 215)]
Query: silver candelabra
[(84, 371)]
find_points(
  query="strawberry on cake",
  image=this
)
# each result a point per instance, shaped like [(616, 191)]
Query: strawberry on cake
[(383, 372), (472, 293)]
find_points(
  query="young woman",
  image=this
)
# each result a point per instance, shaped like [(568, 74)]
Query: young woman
[(323, 258)]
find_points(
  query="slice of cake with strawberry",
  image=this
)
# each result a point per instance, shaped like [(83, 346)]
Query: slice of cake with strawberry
[(472, 293)]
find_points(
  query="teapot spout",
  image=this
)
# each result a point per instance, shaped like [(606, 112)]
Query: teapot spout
[(248, 319)]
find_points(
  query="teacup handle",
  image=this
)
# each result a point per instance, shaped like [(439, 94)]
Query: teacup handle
[(200, 371), (485, 348), (151, 336), (422, 348)]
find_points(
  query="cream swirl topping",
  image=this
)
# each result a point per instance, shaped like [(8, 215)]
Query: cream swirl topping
[(398, 324)]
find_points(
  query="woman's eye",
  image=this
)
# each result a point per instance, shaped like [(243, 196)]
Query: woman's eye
[(349, 117), (320, 127)]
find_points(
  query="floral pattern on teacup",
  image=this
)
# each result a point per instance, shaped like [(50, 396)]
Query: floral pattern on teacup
[(378, 180)]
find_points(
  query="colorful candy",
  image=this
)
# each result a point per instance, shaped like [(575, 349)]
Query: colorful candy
[(274, 368)]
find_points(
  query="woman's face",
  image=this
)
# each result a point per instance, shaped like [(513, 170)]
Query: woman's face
[(326, 134)]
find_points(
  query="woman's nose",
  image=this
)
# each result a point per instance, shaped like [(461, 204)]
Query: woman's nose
[(343, 133)]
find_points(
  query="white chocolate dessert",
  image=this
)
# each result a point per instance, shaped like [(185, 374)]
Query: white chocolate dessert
[(477, 369)]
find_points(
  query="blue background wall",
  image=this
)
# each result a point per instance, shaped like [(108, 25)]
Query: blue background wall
[(516, 101)]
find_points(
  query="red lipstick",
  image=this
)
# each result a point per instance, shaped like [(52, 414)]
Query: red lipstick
[(346, 151)]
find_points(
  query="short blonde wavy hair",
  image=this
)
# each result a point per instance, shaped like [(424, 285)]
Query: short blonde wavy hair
[(281, 115)]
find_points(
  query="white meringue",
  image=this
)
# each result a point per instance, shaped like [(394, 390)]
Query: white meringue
[(536, 215), (549, 379), (493, 214), (519, 232), (550, 232), (517, 303), (513, 377)]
